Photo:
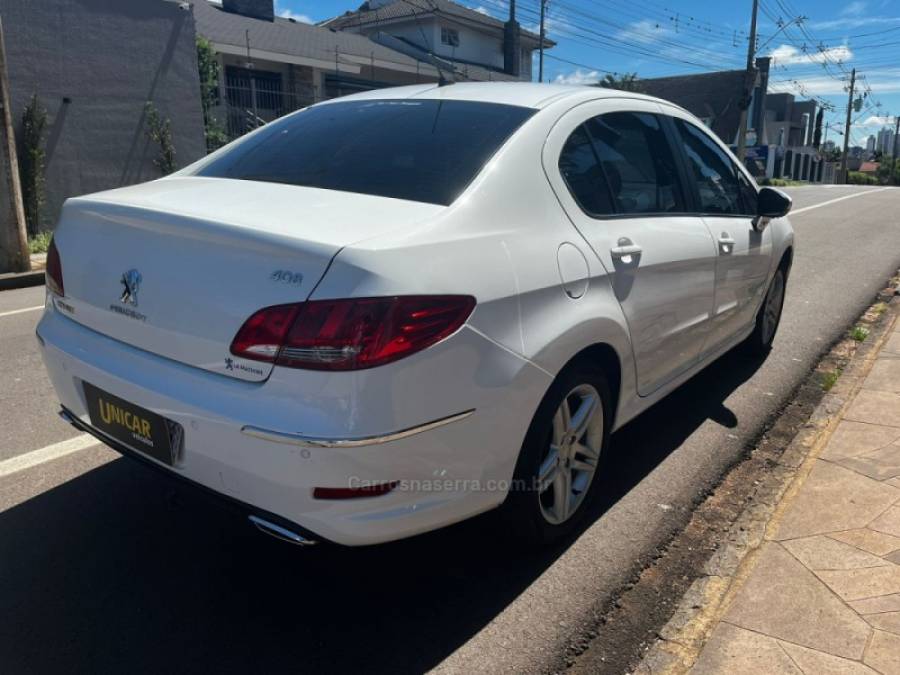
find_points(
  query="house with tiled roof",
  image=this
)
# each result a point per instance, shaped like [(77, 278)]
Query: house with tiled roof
[(478, 45), (270, 65)]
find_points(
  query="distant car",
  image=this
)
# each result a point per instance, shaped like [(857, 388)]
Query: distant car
[(390, 312)]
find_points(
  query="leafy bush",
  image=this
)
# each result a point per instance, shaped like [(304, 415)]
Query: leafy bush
[(859, 178), (780, 182), (859, 333), (40, 242), (830, 379)]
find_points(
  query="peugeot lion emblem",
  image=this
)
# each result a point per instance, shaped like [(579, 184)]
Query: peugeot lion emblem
[(131, 280)]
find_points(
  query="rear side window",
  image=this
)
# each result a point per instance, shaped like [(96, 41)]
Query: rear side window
[(420, 150), (580, 167), (712, 171), (621, 163), (637, 161)]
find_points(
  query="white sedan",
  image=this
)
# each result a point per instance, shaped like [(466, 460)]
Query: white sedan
[(390, 312)]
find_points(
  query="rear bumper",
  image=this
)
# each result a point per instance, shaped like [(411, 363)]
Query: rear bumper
[(266, 446), (254, 514)]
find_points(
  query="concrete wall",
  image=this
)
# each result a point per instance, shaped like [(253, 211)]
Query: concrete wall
[(94, 64)]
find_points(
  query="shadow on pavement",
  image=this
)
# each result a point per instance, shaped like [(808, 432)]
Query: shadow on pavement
[(104, 574)]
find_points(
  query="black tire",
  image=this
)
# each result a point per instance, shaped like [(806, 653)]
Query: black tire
[(523, 511), (760, 341)]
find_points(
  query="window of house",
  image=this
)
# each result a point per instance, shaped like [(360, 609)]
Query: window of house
[(637, 162), (450, 36), (580, 168), (712, 170)]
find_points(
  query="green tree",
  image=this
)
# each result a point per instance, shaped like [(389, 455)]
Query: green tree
[(159, 129), (32, 163), (208, 68), (626, 82), (889, 171)]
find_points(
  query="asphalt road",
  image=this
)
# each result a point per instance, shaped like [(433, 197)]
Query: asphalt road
[(105, 568)]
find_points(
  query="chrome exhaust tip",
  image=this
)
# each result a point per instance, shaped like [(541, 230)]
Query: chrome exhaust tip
[(280, 532)]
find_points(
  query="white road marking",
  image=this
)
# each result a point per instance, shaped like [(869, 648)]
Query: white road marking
[(21, 311), (48, 454), (837, 199)]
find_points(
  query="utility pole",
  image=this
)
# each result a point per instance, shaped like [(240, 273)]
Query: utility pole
[(750, 79), (543, 33), (14, 255), (895, 159), (847, 127)]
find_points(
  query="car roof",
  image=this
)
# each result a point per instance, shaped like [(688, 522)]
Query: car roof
[(526, 94)]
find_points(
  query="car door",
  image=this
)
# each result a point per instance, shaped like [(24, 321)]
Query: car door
[(725, 197), (615, 172)]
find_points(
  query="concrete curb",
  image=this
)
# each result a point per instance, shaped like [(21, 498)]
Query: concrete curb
[(21, 280), (706, 601)]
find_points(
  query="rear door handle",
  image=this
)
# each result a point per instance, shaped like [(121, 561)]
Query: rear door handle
[(726, 244), (625, 248)]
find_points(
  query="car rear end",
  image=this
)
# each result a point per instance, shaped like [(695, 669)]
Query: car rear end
[(182, 327)]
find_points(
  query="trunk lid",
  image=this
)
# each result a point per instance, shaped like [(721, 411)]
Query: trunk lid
[(176, 266)]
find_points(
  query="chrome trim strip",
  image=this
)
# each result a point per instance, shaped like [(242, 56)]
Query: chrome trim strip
[(280, 532), (299, 439)]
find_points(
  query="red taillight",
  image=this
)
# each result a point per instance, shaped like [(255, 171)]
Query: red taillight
[(262, 334), (350, 334), (53, 275), (373, 490)]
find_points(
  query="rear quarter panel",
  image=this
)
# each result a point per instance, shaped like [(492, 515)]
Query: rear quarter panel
[(499, 242)]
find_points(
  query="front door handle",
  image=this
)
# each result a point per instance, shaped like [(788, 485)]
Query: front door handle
[(625, 248), (726, 244)]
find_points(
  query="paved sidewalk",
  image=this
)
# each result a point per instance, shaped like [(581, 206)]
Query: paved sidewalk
[(822, 593)]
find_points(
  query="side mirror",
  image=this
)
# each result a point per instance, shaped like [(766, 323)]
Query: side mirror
[(773, 203)]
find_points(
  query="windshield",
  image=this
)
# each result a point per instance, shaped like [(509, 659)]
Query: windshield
[(421, 150)]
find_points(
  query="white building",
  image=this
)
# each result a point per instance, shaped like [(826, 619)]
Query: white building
[(870, 144), (270, 65), (885, 142), (468, 39)]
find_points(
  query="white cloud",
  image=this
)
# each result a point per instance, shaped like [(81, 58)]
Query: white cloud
[(551, 25), (481, 9), (286, 13), (876, 121), (786, 55), (644, 31), (885, 81), (854, 8), (858, 22), (579, 76)]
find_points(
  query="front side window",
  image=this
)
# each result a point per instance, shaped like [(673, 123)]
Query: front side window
[(637, 162), (450, 36), (748, 195), (420, 150), (580, 168), (712, 171)]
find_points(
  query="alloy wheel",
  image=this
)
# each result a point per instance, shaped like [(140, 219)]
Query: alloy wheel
[(772, 309), (568, 467)]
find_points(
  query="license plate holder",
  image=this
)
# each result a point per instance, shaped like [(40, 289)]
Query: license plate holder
[(140, 429)]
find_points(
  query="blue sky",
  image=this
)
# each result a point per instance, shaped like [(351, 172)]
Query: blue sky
[(813, 53)]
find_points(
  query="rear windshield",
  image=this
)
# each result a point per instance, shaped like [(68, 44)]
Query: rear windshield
[(425, 150)]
